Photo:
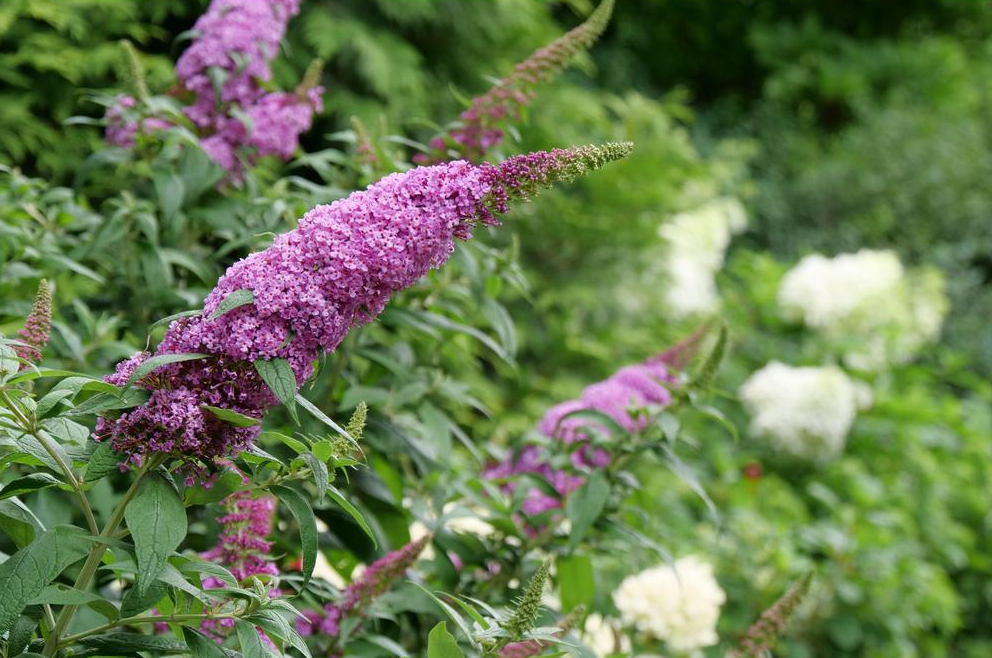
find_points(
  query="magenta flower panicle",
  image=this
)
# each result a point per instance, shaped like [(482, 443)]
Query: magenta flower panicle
[(235, 41), (622, 397), (479, 129), (242, 546), (225, 68), (335, 271), (37, 327), (763, 634), (123, 122), (243, 549), (377, 579)]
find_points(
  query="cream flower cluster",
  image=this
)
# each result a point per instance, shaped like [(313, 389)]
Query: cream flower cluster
[(805, 412), (697, 241), (603, 637), (679, 604), (866, 303)]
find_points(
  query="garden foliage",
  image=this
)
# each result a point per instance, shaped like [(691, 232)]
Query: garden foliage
[(404, 328)]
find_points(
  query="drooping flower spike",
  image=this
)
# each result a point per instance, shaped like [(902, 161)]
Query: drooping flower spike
[(620, 397), (234, 44), (336, 270), (479, 129), (225, 69), (243, 548), (37, 326), (376, 580), (763, 634)]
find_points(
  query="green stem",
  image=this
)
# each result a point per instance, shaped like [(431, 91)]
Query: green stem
[(94, 558), (70, 475), (146, 619)]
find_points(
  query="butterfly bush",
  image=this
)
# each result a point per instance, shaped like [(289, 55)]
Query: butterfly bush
[(242, 546), (123, 122), (678, 603), (336, 270), (375, 581), (479, 129), (867, 304), (804, 412), (622, 397), (227, 70), (37, 326), (243, 549)]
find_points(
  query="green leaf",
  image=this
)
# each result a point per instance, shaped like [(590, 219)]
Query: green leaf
[(441, 643), (28, 483), (585, 505), (198, 566), (103, 461), (157, 361), (26, 573), (18, 523), (575, 582), (135, 602), (65, 595), (175, 316), (352, 511), (132, 397), (321, 476), (170, 191), (231, 301), (157, 521), (132, 642), (232, 417), (322, 417), (20, 634), (226, 483), (67, 431), (448, 610), (301, 509), (278, 375), (276, 626), (251, 643), (200, 646)]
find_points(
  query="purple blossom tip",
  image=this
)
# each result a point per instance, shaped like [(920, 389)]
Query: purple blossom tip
[(37, 326), (478, 132)]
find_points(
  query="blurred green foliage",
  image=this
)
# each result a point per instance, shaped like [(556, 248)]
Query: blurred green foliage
[(839, 126)]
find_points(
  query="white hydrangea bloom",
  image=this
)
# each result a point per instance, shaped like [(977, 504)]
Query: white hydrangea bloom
[(697, 241), (867, 304), (679, 604), (602, 636), (806, 411)]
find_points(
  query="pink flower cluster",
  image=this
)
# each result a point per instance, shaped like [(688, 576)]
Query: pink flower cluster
[(224, 68), (243, 549), (375, 581), (242, 546), (122, 123), (479, 128), (235, 43), (622, 397), (336, 270), (37, 326)]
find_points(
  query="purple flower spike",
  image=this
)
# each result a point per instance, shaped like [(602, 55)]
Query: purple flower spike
[(479, 130), (37, 326), (621, 396), (376, 580), (336, 270), (242, 546)]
